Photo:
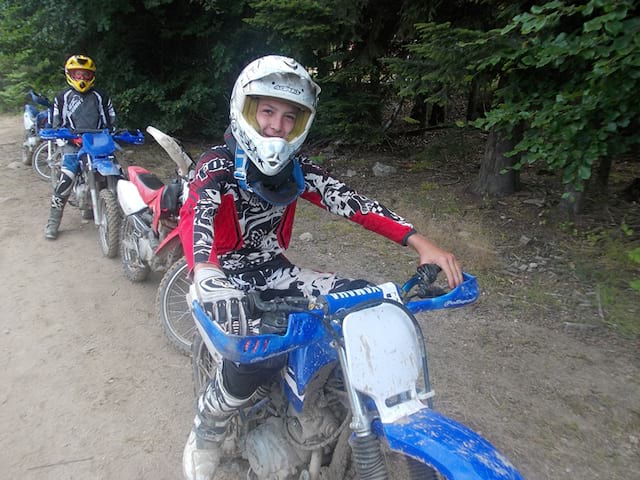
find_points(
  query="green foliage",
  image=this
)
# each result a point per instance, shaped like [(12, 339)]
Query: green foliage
[(25, 64), (448, 37), (570, 73), (349, 113), (436, 65), (317, 23), (340, 41), (170, 63)]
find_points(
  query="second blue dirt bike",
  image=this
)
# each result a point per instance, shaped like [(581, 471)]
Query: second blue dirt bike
[(94, 189), (37, 115)]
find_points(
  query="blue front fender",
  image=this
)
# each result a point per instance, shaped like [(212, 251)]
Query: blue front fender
[(106, 167), (452, 449)]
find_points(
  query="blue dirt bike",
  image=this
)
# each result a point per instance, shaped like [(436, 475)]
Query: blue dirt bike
[(34, 119), (94, 189), (347, 404)]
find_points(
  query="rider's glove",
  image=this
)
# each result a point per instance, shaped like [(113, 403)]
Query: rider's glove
[(220, 299)]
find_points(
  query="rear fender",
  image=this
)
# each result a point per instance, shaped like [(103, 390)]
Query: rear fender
[(185, 231), (129, 198), (169, 240), (29, 116), (451, 448)]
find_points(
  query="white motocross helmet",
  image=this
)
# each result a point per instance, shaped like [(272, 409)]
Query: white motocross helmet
[(277, 77)]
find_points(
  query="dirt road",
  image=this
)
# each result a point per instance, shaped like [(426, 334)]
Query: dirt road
[(90, 388)]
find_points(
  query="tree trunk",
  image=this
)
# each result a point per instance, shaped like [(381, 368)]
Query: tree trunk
[(478, 98), (474, 104), (595, 189), (603, 173), (490, 179), (437, 116), (419, 110)]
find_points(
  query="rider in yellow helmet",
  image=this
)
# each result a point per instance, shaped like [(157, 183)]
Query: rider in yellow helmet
[(80, 72), (80, 106)]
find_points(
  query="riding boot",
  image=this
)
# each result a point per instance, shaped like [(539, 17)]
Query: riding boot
[(214, 410), (55, 215), (53, 223), (58, 200)]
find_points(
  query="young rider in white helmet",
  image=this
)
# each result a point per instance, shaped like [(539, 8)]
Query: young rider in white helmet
[(243, 200)]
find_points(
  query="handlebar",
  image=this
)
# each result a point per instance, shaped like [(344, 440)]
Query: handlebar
[(39, 99), (126, 136), (306, 326), (465, 293)]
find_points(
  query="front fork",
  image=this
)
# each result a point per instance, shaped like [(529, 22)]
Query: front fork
[(93, 191), (365, 444), (112, 181), (367, 454)]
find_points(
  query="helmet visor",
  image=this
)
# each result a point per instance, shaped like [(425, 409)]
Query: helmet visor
[(81, 74)]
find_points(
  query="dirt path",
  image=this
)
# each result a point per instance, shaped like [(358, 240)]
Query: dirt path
[(90, 388)]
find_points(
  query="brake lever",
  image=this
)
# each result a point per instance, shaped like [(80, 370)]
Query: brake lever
[(428, 274), (430, 291)]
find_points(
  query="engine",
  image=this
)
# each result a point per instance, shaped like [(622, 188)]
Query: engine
[(270, 453), (83, 198), (278, 448)]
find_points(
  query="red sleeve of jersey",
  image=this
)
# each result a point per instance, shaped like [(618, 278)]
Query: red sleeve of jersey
[(376, 217)]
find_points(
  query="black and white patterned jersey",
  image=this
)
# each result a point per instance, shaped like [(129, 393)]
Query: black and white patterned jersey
[(239, 231), (90, 110)]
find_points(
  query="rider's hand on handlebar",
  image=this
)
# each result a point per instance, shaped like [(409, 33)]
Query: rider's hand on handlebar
[(220, 299), (431, 253)]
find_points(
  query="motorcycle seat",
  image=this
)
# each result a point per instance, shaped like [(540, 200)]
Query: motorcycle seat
[(169, 199), (150, 181)]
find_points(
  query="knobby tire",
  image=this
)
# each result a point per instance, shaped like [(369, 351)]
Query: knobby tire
[(171, 304), (109, 227), (132, 266)]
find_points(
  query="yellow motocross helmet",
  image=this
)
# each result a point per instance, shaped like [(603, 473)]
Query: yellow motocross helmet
[(80, 72)]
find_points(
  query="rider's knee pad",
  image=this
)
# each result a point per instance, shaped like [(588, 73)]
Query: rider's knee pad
[(65, 182), (71, 164)]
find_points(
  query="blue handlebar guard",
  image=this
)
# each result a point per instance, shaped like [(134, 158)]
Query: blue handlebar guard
[(125, 136), (128, 137), (305, 327)]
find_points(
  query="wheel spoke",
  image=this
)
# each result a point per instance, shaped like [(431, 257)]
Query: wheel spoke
[(173, 309)]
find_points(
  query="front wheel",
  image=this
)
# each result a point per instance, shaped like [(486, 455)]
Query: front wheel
[(26, 151), (204, 365), (47, 167), (109, 223), (26, 156), (371, 458), (133, 266), (402, 467), (171, 304)]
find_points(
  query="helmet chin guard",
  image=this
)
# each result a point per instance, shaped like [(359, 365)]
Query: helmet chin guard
[(278, 190)]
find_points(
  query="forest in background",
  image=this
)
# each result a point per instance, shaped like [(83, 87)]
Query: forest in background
[(553, 84)]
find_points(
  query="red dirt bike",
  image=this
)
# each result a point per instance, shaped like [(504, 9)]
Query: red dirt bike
[(152, 237)]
